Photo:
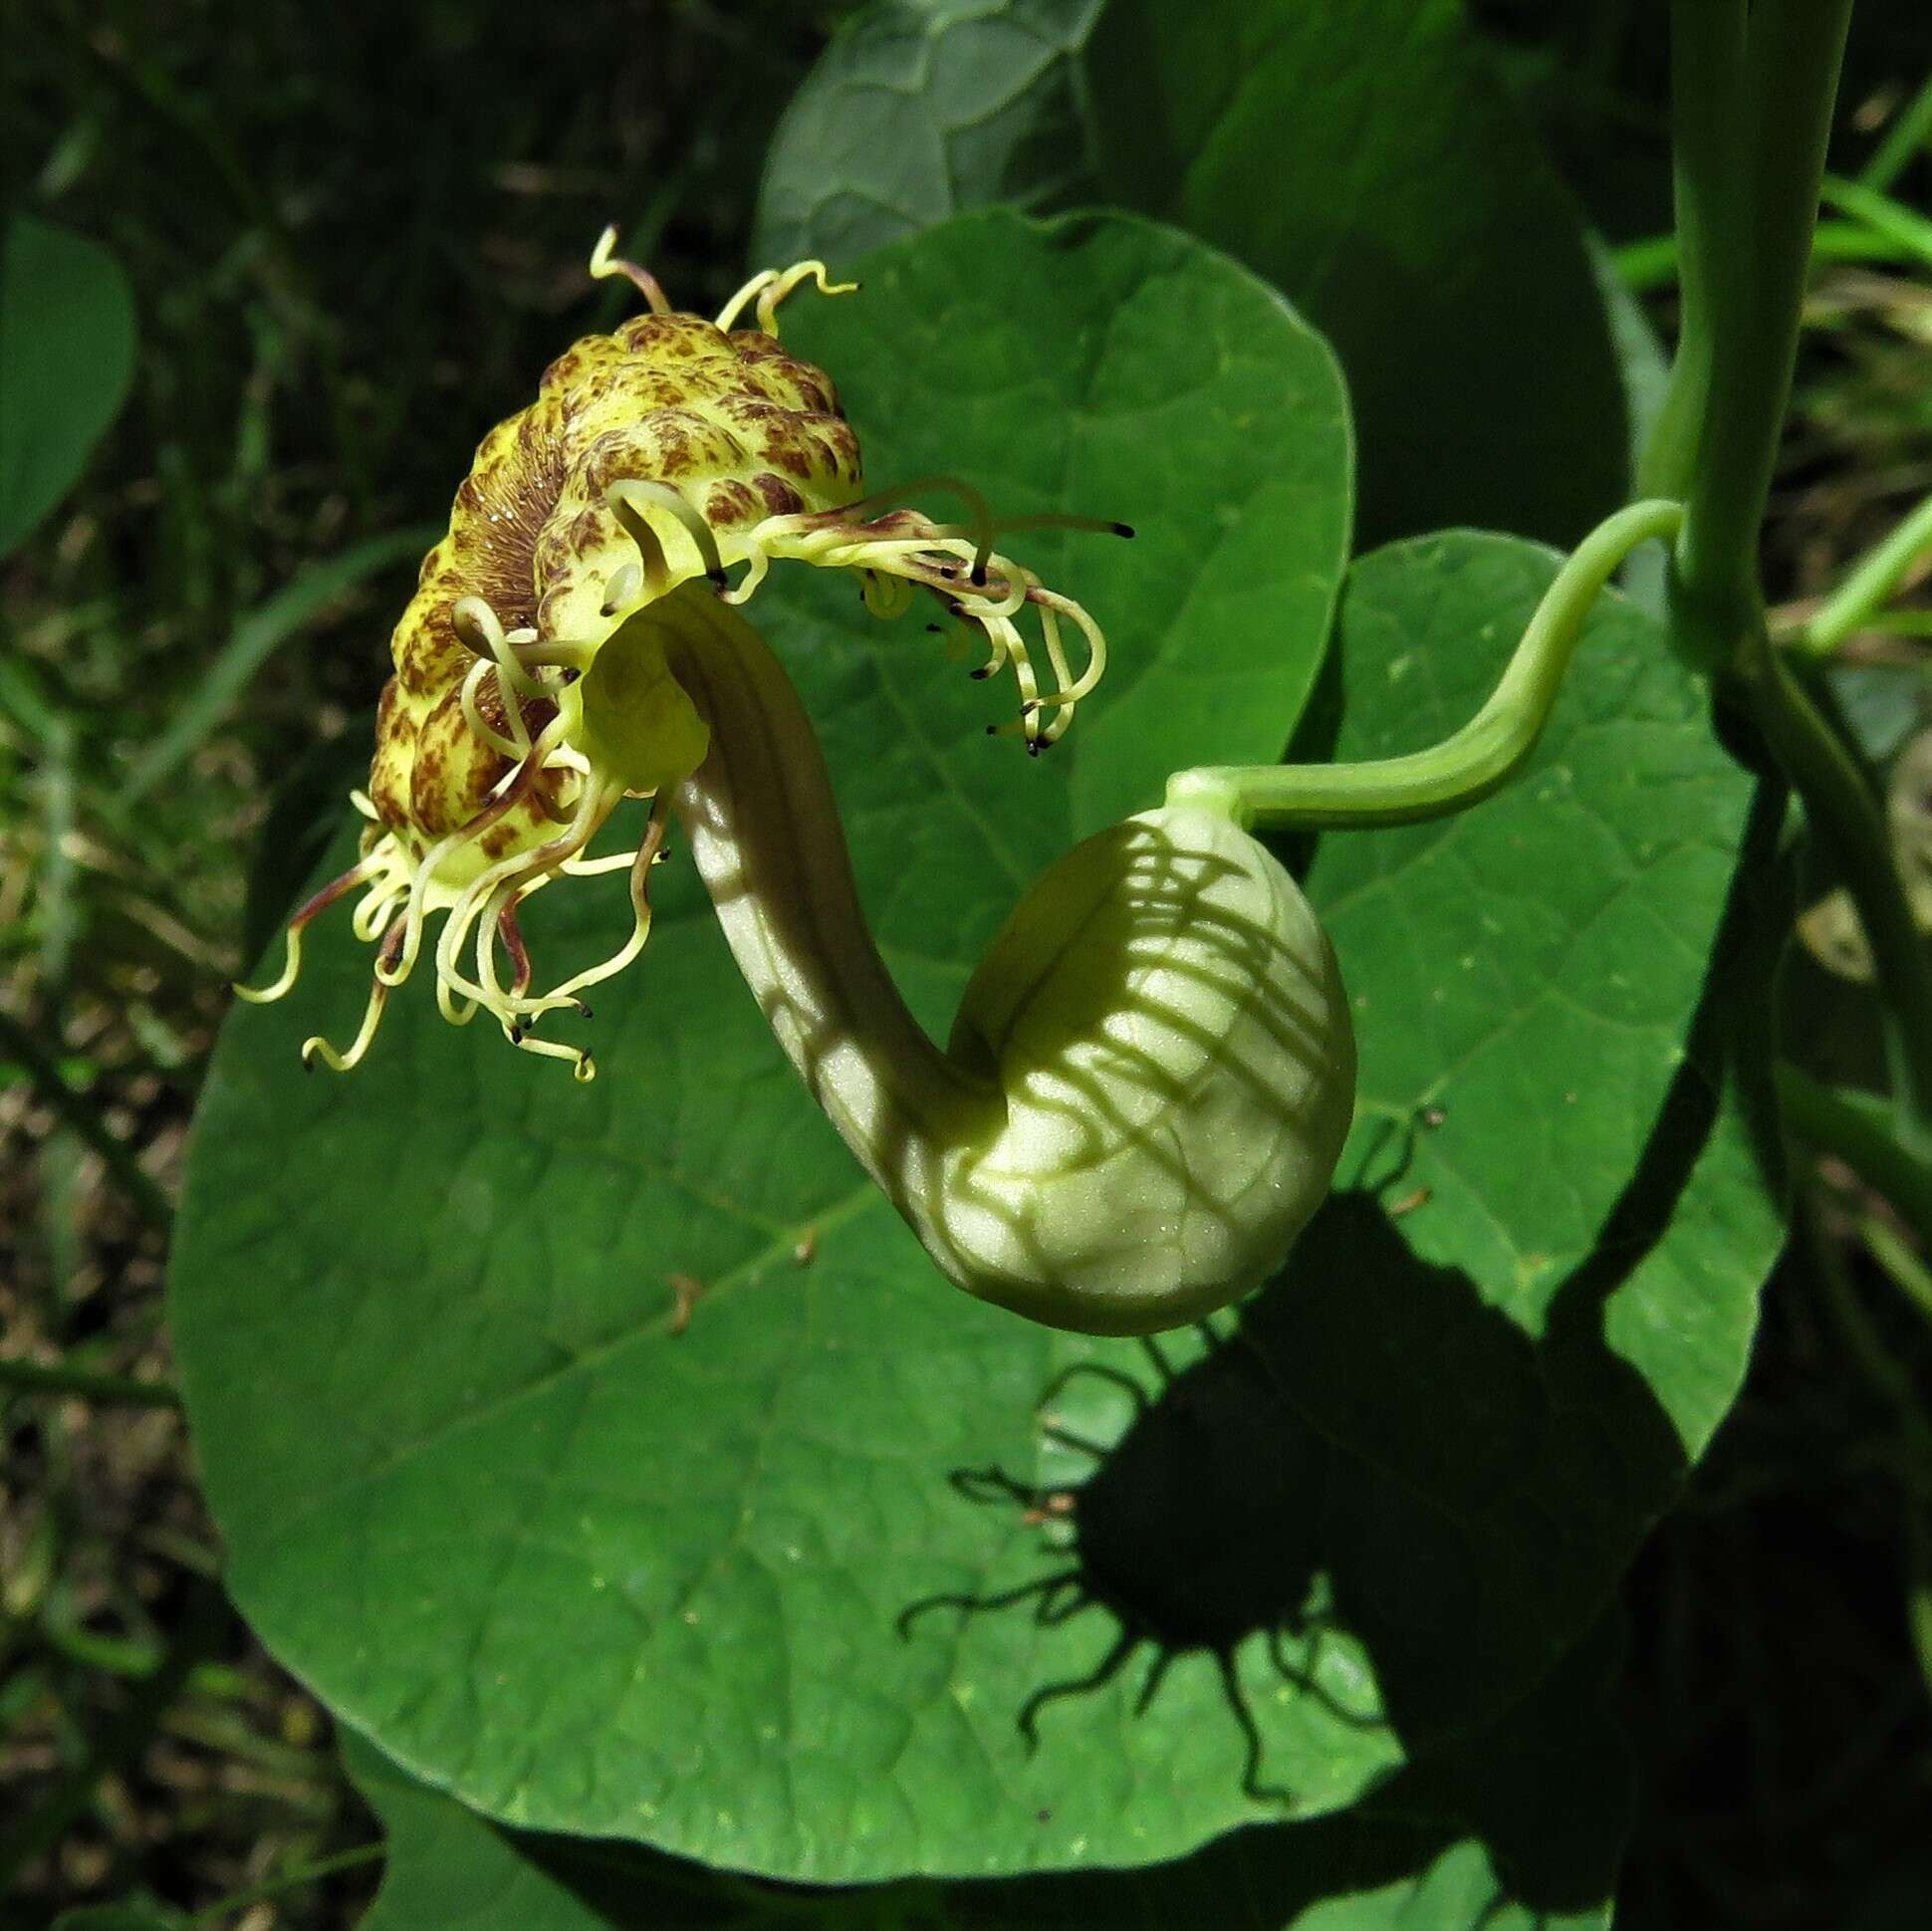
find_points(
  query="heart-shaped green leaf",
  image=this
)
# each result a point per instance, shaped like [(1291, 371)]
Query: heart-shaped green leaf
[(596, 1575), (1358, 153), (66, 357)]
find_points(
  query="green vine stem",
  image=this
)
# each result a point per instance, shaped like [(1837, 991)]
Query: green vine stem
[(1899, 1261), (1707, 63), (1911, 131), (1847, 821), (1477, 760), (1856, 1128), (1749, 157), (1869, 586), (1910, 232), (20, 1045), (58, 1378), (1750, 160)]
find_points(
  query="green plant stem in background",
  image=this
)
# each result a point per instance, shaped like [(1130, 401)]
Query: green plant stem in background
[(1749, 157), (1888, 1376), (1918, 1600), (292, 1880), (255, 638), (1869, 586), (43, 1378), (1645, 266), (1899, 1260), (1466, 767), (1910, 132), (1910, 232), (198, 1635), (1857, 1129), (1900, 624), (20, 1045), (59, 923), (1847, 821)]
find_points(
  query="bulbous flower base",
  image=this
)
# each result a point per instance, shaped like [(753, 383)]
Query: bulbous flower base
[(1166, 1021)]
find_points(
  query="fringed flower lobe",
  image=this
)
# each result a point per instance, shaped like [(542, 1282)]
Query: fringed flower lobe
[(526, 703)]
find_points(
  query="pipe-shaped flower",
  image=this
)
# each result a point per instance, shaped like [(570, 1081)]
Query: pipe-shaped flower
[(527, 701), (1153, 1070)]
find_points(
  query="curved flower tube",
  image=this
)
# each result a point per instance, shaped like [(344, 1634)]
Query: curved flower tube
[(1152, 1072)]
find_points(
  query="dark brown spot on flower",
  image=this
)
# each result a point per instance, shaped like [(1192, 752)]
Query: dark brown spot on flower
[(839, 446), (425, 647), (389, 772), (564, 371), (753, 412), (454, 772), (791, 458), (730, 503), (584, 356), (780, 498), (673, 337)]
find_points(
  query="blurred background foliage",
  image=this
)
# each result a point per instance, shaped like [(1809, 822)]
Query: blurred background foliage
[(354, 236)]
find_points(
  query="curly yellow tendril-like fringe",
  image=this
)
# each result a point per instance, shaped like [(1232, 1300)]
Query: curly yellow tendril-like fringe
[(526, 703)]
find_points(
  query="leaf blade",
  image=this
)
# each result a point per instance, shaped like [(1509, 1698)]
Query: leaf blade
[(66, 362)]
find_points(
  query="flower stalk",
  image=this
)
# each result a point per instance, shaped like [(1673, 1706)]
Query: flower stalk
[(1476, 761)]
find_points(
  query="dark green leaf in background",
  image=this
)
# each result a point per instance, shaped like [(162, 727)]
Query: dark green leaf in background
[(66, 358), (1516, 1830), (703, 1588), (922, 109), (1358, 153)]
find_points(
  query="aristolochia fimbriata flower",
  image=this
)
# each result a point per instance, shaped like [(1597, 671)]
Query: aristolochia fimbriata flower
[(531, 695)]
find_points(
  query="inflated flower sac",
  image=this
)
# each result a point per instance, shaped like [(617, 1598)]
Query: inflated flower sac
[(1153, 1070)]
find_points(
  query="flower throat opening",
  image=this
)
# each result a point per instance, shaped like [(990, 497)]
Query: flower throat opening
[(526, 704)]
